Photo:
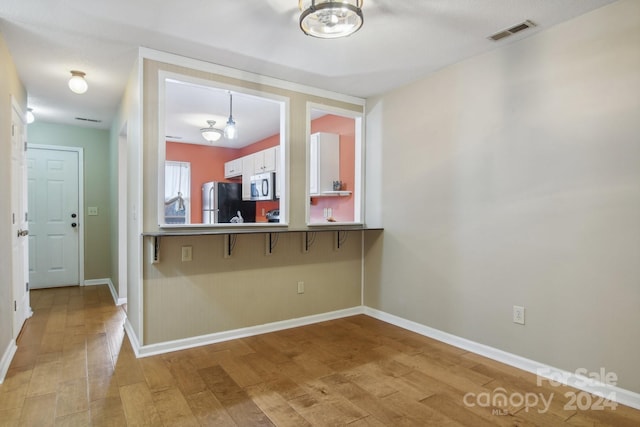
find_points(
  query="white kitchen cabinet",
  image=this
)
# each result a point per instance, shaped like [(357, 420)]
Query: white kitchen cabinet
[(247, 172), (324, 162), (265, 160), (233, 168)]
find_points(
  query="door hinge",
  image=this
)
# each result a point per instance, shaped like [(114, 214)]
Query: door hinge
[(26, 217), (13, 130), (26, 286), (25, 146), (15, 305)]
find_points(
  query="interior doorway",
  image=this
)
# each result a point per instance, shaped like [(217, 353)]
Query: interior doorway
[(55, 216)]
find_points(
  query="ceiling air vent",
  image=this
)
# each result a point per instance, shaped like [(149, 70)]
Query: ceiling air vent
[(511, 31), (84, 119)]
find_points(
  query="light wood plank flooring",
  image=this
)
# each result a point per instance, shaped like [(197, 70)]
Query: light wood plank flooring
[(75, 367)]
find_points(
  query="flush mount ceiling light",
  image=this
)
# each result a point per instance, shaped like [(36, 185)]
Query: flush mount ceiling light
[(211, 134), (327, 19), (77, 83), (230, 130), (30, 117)]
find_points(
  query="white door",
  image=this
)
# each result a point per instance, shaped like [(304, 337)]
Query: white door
[(19, 242), (54, 217)]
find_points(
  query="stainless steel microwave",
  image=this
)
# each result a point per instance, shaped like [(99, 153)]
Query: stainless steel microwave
[(263, 186)]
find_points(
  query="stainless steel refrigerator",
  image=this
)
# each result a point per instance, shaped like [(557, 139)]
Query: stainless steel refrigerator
[(221, 202)]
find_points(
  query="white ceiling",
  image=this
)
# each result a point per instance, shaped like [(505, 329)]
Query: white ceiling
[(401, 40)]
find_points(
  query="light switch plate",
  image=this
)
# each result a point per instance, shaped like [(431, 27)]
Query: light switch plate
[(187, 253)]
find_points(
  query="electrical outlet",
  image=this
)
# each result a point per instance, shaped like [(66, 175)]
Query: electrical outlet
[(187, 253), (518, 314), (301, 287), (92, 210)]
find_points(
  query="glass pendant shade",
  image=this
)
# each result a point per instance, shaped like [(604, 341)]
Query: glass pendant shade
[(330, 19), (77, 83), (230, 130), (211, 134)]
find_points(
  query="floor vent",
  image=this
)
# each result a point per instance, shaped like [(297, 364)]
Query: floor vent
[(511, 31)]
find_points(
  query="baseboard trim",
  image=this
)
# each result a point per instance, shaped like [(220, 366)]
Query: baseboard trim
[(133, 338), (168, 346), (94, 282), (619, 395), (7, 357)]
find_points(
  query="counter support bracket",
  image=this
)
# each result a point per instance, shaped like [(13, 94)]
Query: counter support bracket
[(229, 244), (271, 240), (308, 239), (155, 254), (341, 238)]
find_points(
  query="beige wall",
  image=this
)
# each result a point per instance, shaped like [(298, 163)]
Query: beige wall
[(520, 178), (125, 146), (213, 294), (10, 85), (95, 145)]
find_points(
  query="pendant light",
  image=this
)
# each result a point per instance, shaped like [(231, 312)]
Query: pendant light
[(211, 134), (230, 130), (327, 19), (77, 83)]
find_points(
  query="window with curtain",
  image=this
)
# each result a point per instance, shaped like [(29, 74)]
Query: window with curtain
[(177, 193)]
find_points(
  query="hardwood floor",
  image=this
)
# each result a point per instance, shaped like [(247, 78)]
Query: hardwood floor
[(75, 367)]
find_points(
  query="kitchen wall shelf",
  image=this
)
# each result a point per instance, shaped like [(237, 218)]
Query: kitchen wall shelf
[(231, 235), (332, 194)]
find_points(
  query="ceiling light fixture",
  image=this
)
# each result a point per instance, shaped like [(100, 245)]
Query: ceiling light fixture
[(211, 134), (30, 117), (77, 83), (230, 130), (328, 19)]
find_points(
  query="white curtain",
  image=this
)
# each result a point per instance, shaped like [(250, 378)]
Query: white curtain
[(176, 179), (177, 184)]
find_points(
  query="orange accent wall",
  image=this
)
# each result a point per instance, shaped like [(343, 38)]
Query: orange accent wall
[(269, 142), (342, 207), (207, 164)]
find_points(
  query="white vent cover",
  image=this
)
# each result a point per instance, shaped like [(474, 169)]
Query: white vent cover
[(511, 31)]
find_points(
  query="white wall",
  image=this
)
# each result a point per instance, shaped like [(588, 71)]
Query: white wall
[(513, 178)]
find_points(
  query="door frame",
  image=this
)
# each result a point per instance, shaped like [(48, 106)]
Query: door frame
[(23, 299), (80, 152)]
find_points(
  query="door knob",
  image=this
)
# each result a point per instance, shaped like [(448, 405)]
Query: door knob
[(73, 215), (22, 233), (73, 224)]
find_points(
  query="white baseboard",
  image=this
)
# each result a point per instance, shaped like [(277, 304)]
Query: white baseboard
[(168, 346), (7, 357), (619, 395), (133, 338), (94, 282)]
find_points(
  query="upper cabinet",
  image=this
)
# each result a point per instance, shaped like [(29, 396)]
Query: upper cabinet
[(265, 160), (233, 168), (247, 171), (324, 162)]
